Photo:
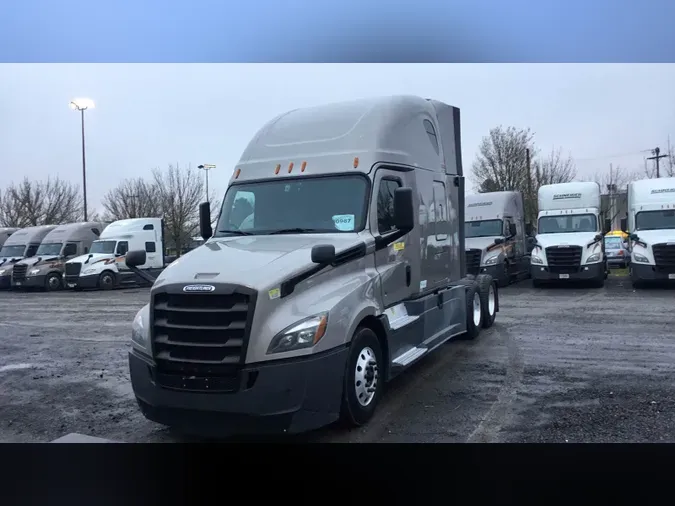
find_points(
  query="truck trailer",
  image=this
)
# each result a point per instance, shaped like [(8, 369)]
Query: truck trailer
[(651, 223), (45, 269), (496, 236), (569, 243), (23, 243), (104, 267), (314, 288)]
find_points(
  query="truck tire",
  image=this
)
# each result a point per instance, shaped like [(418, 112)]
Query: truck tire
[(474, 311), (488, 299), (363, 383), (504, 280), (106, 281), (53, 282), (536, 283)]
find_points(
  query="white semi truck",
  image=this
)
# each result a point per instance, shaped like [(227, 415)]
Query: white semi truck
[(569, 243), (104, 266), (314, 288), (651, 223), (496, 236)]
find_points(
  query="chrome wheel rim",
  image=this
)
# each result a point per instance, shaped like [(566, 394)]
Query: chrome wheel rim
[(366, 376), (476, 309), (491, 300), (54, 283)]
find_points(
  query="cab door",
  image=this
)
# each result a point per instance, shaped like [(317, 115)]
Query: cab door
[(393, 261)]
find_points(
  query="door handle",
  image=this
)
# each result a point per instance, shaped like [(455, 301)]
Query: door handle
[(408, 275)]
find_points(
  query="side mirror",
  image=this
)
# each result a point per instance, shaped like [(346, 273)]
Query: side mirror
[(634, 237), (499, 240), (323, 254), (136, 258), (205, 229), (528, 229), (513, 230), (598, 237), (608, 226), (404, 214), (624, 224)]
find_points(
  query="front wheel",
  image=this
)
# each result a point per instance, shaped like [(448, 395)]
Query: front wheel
[(363, 383), (53, 282), (488, 299), (106, 281)]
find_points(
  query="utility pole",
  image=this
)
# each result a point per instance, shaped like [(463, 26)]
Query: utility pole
[(657, 157), (206, 168), (529, 184)]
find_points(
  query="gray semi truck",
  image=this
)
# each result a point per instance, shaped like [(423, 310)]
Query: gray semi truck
[(316, 285), (497, 236), (23, 243), (45, 269)]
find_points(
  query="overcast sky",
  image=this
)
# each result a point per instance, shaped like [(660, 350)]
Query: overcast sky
[(150, 115)]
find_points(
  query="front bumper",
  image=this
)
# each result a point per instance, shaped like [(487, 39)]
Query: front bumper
[(81, 282), (646, 272), (293, 395), (5, 282), (585, 273), (30, 282), (497, 271)]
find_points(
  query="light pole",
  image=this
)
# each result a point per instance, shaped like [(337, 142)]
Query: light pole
[(206, 168), (82, 104)]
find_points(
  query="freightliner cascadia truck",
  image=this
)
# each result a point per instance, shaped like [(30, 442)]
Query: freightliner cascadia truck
[(315, 287)]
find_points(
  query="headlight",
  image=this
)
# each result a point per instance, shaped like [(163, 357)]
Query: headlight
[(35, 271), (2, 271), (89, 271), (304, 334), (492, 260), (595, 257), (640, 258), (139, 328), (534, 259)]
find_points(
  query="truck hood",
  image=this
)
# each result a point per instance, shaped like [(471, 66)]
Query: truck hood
[(480, 243), (258, 262), (7, 261), (570, 239), (37, 261), (656, 236), (94, 258)]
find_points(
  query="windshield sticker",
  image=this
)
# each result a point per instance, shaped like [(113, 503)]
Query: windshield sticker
[(344, 222), (274, 293)]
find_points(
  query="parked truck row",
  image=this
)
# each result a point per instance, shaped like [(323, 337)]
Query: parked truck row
[(84, 255)]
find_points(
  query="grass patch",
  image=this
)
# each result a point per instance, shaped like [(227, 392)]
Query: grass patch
[(618, 273)]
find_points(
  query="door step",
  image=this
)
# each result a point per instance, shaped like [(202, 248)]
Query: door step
[(410, 355)]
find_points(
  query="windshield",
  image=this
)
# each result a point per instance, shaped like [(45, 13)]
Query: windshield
[(308, 205), (107, 247), (485, 228), (613, 243), (655, 220), (567, 223), (49, 249), (13, 251)]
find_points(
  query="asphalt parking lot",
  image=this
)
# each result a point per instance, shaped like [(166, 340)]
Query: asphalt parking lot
[(559, 365)]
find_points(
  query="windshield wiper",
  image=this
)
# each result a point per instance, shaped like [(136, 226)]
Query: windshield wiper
[(298, 230), (234, 232)]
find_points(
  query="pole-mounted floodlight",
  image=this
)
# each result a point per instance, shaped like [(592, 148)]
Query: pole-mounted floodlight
[(82, 104), (206, 167)]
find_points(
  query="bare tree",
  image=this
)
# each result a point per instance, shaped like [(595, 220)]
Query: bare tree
[(502, 159), (133, 198), (616, 179), (49, 202), (181, 190), (554, 169)]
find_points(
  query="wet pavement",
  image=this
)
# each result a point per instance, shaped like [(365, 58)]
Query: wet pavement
[(560, 365)]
